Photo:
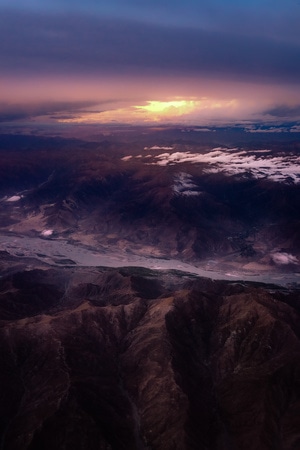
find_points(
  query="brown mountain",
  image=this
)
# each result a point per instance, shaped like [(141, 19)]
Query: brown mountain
[(132, 359)]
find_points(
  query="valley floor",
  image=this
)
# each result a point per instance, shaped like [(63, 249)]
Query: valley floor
[(59, 252)]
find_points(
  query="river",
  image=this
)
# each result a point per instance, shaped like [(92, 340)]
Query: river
[(61, 252)]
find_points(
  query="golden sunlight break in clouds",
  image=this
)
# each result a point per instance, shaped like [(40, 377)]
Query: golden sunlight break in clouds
[(145, 101), (160, 112)]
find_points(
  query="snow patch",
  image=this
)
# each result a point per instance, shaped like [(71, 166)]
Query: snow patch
[(281, 168), (157, 147), (46, 233), (284, 258), (14, 198), (184, 185), (258, 164)]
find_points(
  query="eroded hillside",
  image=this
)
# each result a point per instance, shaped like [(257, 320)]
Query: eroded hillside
[(133, 359)]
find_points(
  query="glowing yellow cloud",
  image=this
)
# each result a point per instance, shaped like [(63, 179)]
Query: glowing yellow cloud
[(162, 107), (158, 111)]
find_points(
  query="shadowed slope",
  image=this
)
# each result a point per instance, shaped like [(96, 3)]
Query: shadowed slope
[(178, 363)]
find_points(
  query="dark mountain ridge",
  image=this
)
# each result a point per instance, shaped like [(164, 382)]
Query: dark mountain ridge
[(120, 360)]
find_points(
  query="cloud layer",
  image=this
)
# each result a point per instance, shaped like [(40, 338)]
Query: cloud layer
[(79, 43), (147, 51)]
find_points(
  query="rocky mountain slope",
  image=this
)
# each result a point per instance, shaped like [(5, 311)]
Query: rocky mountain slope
[(117, 194), (132, 359)]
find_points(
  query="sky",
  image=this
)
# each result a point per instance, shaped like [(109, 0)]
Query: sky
[(197, 62)]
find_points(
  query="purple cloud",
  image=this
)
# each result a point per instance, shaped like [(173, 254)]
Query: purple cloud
[(72, 44)]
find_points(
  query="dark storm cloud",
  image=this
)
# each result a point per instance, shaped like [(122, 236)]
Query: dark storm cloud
[(13, 112), (37, 44), (268, 17), (284, 111)]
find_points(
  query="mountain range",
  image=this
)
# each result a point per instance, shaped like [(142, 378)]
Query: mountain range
[(124, 357)]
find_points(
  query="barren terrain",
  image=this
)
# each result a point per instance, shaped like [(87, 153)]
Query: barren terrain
[(149, 290)]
